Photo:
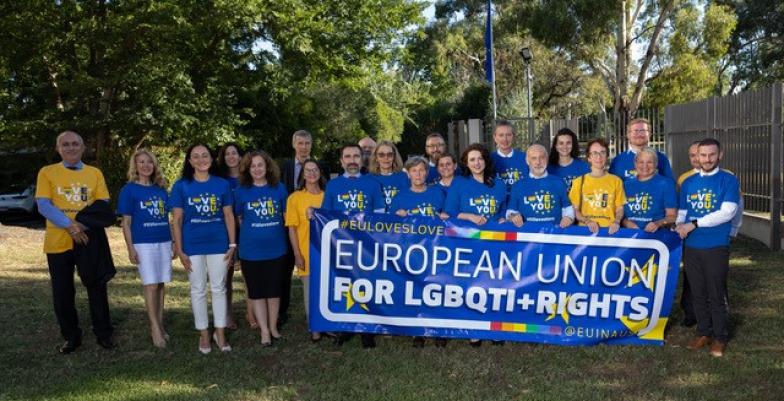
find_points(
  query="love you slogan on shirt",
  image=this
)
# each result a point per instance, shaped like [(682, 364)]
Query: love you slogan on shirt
[(420, 276)]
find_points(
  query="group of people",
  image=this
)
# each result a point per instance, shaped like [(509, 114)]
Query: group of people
[(246, 210)]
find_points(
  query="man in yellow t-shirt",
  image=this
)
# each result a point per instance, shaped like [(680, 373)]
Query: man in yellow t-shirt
[(694, 161), (63, 189)]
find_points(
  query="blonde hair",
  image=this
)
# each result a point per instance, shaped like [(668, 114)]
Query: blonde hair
[(156, 178), (397, 164)]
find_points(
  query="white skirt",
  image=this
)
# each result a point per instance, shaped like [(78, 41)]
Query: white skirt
[(155, 263)]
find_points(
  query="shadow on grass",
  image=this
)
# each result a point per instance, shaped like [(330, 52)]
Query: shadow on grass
[(298, 369)]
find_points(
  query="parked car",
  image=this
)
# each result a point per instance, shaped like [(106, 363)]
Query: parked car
[(18, 197)]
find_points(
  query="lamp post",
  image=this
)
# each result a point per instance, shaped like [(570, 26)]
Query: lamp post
[(528, 56)]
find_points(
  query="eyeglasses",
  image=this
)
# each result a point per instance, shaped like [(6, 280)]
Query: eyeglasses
[(440, 145), (641, 131), (385, 154), (598, 153), (311, 170)]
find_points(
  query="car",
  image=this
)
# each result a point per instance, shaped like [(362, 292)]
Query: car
[(18, 197)]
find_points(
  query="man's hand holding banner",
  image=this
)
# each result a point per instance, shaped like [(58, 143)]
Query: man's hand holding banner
[(421, 276)]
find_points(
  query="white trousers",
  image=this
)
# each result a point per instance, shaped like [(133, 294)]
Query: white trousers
[(202, 267)]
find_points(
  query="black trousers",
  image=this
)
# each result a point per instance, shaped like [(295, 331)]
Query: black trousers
[(687, 305), (61, 272), (285, 295), (706, 270)]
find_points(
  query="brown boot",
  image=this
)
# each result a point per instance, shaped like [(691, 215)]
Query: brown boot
[(699, 342), (717, 349)]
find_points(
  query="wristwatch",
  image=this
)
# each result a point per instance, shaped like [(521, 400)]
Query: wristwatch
[(695, 223)]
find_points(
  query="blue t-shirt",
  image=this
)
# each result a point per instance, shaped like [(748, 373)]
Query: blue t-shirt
[(361, 194), (146, 204), (569, 172), (203, 222), (646, 201), (701, 195), (510, 169), (467, 195), (623, 165), (433, 176), (539, 199), (428, 203), (391, 185), (263, 234), (234, 182)]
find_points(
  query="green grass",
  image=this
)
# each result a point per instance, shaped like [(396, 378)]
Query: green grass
[(31, 369)]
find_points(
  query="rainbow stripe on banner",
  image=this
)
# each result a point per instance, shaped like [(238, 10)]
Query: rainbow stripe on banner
[(475, 233), (526, 328)]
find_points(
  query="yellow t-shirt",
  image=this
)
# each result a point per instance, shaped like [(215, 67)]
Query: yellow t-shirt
[(296, 216), (70, 191), (685, 175), (601, 197)]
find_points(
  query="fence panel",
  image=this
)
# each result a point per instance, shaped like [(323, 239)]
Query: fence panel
[(748, 125)]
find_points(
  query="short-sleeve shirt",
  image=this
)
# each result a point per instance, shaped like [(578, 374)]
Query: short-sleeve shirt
[(539, 199), (647, 201), (391, 185), (598, 198), (428, 203), (704, 194), (147, 207), (296, 216), (360, 194), (467, 195), (569, 172), (510, 168), (70, 191), (262, 232), (203, 223)]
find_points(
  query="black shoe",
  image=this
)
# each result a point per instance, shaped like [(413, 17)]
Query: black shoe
[(475, 344), (440, 342), (368, 341), (70, 346), (419, 342), (106, 343), (501, 343)]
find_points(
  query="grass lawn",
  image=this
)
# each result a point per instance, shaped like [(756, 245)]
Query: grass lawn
[(31, 369)]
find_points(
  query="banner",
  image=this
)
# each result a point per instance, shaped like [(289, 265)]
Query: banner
[(419, 276)]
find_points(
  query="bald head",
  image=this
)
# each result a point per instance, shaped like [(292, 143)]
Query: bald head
[(70, 146), (368, 145), (536, 157)]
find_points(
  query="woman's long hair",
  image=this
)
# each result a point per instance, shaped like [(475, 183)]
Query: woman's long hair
[(322, 182), (272, 174), (575, 152), (489, 172), (397, 163), (156, 178), (223, 169), (188, 170)]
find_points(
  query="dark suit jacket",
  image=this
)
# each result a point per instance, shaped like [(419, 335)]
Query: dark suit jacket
[(287, 172), (94, 261)]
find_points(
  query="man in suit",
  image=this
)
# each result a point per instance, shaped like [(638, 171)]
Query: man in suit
[(302, 142)]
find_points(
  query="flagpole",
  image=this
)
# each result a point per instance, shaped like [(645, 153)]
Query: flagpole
[(489, 56)]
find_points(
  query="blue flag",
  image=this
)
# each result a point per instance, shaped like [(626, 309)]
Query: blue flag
[(489, 67)]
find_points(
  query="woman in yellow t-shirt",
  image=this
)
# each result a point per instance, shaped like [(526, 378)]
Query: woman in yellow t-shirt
[(598, 196), (299, 210)]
